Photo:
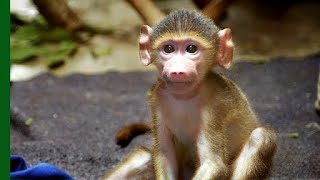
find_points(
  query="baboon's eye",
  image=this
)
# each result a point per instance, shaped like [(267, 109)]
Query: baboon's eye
[(168, 49), (191, 48)]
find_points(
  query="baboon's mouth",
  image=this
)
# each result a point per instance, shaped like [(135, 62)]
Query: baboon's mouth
[(179, 82), (179, 85)]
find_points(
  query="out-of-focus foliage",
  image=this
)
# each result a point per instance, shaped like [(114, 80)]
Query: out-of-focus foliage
[(101, 52), (28, 122), (294, 135), (148, 94), (32, 40)]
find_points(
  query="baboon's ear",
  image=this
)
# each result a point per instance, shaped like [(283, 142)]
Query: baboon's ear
[(226, 47), (145, 44)]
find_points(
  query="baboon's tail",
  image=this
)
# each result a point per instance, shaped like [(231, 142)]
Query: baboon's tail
[(126, 134)]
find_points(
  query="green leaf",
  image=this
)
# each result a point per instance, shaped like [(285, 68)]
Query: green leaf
[(58, 54), (38, 34), (50, 45), (294, 135), (23, 52), (101, 52), (39, 20), (28, 122), (27, 33), (148, 94), (54, 35), (52, 54)]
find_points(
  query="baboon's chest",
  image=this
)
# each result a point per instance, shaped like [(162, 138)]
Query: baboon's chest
[(187, 158), (182, 118)]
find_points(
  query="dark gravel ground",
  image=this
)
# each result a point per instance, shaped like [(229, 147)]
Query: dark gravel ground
[(75, 118)]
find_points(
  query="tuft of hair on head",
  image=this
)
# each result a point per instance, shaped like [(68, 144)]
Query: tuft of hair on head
[(186, 22)]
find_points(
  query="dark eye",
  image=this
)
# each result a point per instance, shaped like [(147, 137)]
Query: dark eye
[(191, 48), (168, 49)]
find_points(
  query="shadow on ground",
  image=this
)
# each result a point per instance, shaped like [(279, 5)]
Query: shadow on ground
[(75, 118)]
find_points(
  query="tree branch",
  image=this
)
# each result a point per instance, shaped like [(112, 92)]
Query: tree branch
[(57, 13), (149, 12), (216, 8)]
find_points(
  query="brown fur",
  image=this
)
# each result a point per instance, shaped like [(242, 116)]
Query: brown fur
[(126, 134), (209, 131)]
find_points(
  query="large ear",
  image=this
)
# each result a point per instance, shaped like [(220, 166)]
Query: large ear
[(226, 47), (145, 44)]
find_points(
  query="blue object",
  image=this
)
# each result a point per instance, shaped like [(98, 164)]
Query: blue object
[(43, 171)]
